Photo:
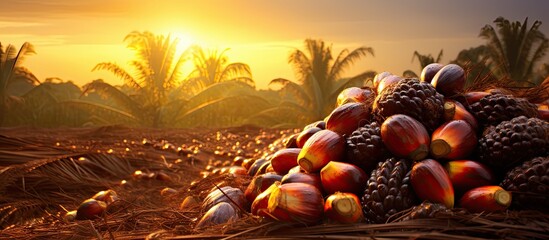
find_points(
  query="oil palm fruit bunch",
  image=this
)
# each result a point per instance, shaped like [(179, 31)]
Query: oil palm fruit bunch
[(486, 199), (411, 97), (513, 142), (388, 190), (425, 210), (365, 148), (405, 137), (529, 183), (496, 107)]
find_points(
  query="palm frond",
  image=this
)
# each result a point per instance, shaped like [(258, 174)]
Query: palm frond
[(115, 114), (344, 60), (297, 90), (116, 95), (119, 72)]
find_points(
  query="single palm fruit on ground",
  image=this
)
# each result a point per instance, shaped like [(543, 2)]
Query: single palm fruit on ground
[(495, 108), (454, 110), (411, 97), (343, 208), (259, 184), (321, 148), (285, 159), (512, 142), (237, 170), (347, 118), (343, 177), (365, 147), (167, 191), (69, 216), (529, 183), (377, 79), (300, 177), (296, 202), (449, 80), (107, 196), (388, 190), (425, 210), (219, 214), (405, 137), (305, 135), (486, 199), (429, 72), (455, 139), (90, 209), (467, 174), (431, 183)]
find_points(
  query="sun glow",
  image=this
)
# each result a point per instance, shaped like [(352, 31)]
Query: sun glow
[(185, 41)]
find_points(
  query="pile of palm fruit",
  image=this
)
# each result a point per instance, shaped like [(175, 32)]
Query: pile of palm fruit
[(418, 145)]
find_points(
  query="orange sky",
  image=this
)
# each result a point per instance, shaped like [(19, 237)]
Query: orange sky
[(70, 36)]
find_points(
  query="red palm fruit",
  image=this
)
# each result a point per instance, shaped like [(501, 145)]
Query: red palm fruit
[(261, 202), (353, 94), (466, 175), (285, 159), (108, 196), (308, 178), (455, 139), (259, 184), (90, 209), (431, 183), (386, 82), (319, 124), (219, 214), (305, 135), (344, 177), (291, 141), (247, 163), (453, 110), (238, 160), (343, 208), (296, 202), (237, 170), (405, 137), (256, 165), (473, 97), (429, 72), (543, 114), (486, 199), (347, 118), (377, 79), (70, 216), (296, 169), (449, 80), (321, 148)]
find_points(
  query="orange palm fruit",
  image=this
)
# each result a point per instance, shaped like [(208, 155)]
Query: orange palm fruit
[(247, 163), (296, 202), (189, 202), (300, 177), (319, 124), (167, 191), (386, 82), (453, 110), (467, 174), (431, 183), (343, 208), (486, 199), (321, 148), (343, 177), (305, 135), (377, 79), (237, 170), (449, 80), (405, 137), (259, 184), (347, 118), (296, 169), (107, 196), (429, 72), (473, 97), (256, 165), (90, 209), (261, 202), (455, 139), (285, 159)]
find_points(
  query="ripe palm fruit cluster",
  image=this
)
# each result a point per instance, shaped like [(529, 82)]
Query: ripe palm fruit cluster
[(407, 146)]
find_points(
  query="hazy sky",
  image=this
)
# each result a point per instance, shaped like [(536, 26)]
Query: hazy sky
[(71, 36)]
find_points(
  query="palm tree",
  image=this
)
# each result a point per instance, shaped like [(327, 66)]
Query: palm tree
[(318, 80), (514, 49), (157, 72), (10, 63)]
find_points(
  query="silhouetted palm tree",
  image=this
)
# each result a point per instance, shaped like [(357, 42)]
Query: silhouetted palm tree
[(10, 60), (514, 49), (157, 72), (319, 79), (425, 60)]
